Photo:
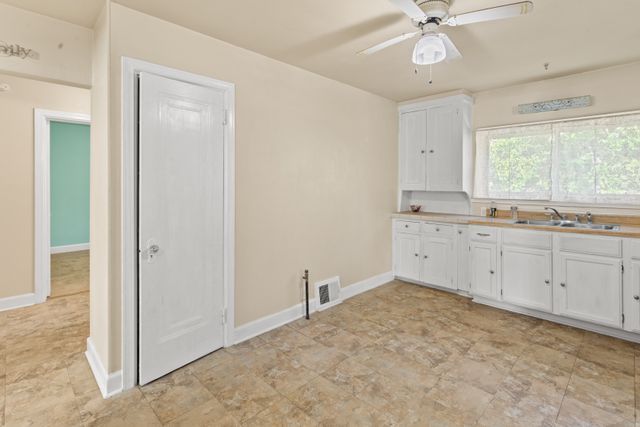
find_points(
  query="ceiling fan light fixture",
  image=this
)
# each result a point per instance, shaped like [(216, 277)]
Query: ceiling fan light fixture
[(429, 50)]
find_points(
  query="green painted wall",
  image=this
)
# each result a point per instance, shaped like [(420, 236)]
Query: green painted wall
[(69, 184)]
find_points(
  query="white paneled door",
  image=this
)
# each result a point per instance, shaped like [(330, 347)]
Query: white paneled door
[(181, 291)]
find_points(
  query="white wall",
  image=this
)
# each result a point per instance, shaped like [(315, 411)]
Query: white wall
[(65, 49)]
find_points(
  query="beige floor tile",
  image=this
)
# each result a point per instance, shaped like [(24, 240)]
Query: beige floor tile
[(343, 341), (208, 414), (175, 394), (69, 273), (35, 395), (281, 413), (243, 396), (287, 374), (574, 413), (612, 358), (613, 400), (61, 415), (351, 376), (459, 396), (126, 409), (482, 375)]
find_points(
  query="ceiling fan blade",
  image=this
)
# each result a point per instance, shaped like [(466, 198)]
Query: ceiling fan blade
[(410, 9), (390, 42), (492, 14), (452, 50)]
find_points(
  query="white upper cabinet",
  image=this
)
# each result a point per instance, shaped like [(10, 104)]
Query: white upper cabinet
[(444, 168), (413, 145), (435, 145)]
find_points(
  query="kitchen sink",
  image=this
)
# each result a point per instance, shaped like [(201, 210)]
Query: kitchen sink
[(568, 224)]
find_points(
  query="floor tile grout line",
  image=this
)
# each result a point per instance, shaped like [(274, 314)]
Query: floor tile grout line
[(573, 368)]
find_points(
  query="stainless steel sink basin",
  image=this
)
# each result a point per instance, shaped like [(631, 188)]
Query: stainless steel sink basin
[(568, 224)]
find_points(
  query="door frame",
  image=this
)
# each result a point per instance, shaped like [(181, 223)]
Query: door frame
[(129, 256), (42, 193)]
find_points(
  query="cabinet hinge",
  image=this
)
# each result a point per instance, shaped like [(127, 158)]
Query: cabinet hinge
[(501, 292), (622, 267), (501, 252), (224, 316), (623, 318), (225, 117)]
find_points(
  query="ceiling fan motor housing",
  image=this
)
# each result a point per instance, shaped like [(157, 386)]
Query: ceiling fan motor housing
[(435, 9)]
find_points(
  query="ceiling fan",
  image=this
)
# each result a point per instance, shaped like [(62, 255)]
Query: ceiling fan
[(428, 15)]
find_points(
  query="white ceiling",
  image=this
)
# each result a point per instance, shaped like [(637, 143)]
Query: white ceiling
[(324, 36)]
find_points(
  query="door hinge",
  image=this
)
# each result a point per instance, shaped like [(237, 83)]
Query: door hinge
[(224, 316), (225, 117)]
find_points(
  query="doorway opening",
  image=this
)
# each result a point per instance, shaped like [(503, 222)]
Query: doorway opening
[(62, 150)]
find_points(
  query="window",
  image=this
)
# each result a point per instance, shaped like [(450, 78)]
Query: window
[(584, 161)]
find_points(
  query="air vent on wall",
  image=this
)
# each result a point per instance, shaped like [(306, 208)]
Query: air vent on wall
[(328, 293)]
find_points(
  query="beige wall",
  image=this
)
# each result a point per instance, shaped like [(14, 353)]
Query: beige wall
[(615, 89), (99, 227), (64, 48), (17, 171), (315, 168)]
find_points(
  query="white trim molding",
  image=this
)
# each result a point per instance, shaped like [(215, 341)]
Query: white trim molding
[(42, 141), (109, 384), (131, 68), (70, 248), (9, 303), (288, 315)]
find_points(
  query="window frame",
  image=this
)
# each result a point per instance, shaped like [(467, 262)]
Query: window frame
[(533, 202)]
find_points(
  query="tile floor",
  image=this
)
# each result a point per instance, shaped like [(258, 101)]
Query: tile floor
[(398, 355), (69, 273)]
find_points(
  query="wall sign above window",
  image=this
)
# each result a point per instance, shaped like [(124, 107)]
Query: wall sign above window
[(555, 105)]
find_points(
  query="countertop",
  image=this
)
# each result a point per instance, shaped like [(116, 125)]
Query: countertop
[(624, 231)]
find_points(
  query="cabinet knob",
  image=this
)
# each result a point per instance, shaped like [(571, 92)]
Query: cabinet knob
[(636, 297), (406, 226), (431, 151), (416, 254), (437, 229), (547, 282), (426, 256), (491, 271), (564, 285), (459, 231), (421, 151)]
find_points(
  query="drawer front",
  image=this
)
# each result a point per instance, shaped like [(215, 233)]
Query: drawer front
[(632, 248), (591, 245), (483, 234), (527, 239), (437, 229), (408, 226)]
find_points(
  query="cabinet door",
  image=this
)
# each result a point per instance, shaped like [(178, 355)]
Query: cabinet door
[(413, 140), (526, 277), (444, 148), (437, 253), (463, 259), (590, 288), (407, 256), (632, 295), (483, 270)]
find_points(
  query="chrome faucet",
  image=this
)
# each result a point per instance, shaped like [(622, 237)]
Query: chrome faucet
[(555, 211), (589, 217)]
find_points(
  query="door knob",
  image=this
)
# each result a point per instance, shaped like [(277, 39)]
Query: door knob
[(153, 249)]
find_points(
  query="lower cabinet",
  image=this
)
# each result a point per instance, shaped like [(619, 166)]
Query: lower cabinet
[(407, 256), (526, 277), (483, 269), (437, 261), (632, 295), (589, 288)]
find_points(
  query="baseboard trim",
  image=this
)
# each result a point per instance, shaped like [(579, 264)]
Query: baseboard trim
[(109, 384), (70, 248), (592, 327), (25, 300), (288, 315)]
